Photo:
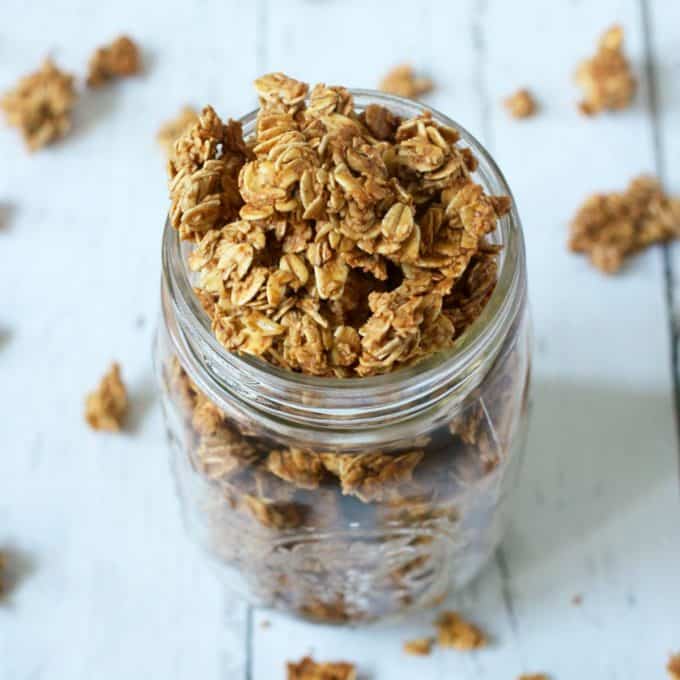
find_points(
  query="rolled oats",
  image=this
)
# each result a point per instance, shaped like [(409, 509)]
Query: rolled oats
[(105, 408), (338, 244), (119, 59), (402, 81), (308, 669), (611, 227), (520, 104), (321, 201), (606, 78), (454, 631), (40, 105)]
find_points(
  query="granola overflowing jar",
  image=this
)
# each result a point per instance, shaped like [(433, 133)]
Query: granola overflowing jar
[(349, 499)]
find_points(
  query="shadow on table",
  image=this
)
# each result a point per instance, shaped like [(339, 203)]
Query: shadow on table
[(592, 453)]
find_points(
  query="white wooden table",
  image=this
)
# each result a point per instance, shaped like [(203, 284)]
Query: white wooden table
[(112, 587)]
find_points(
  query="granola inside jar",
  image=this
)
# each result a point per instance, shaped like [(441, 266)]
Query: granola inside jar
[(349, 499)]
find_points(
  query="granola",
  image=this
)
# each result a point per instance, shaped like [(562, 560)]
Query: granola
[(606, 78), (611, 227), (174, 128), (119, 59), (402, 81), (333, 243), (454, 631), (4, 581), (308, 669), (673, 667), (520, 104), (105, 407), (340, 243), (533, 676), (419, 646), (40, 105)]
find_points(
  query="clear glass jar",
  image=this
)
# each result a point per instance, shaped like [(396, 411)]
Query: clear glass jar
[(346, 500)]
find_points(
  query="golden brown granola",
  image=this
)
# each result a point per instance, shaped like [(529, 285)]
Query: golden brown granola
[(673, 667), (419, 646), (606, 78), (610, 227), (40, 105), (308, 669), (105, 408), (371, 476), (119, 59), (333, 243), (534, 676), (4, 584), (402, 81), (454, 631), (174, 128), (520, 104)]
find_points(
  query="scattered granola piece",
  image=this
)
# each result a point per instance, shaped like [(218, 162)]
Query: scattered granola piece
[(577, 600), (308, 669), (4, 585), (673, 667), (119, 59), (105, 408), (173, 129), (606, 79), (533, 676), (402, 81), (265, 624), (610, 227), (520, 104), (454, 631), (40, 105), (419, 646), (333, 243)]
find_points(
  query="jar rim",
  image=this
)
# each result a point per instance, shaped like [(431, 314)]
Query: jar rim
[(330, 394)]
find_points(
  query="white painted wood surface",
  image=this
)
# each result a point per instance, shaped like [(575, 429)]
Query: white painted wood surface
[(112, 588)]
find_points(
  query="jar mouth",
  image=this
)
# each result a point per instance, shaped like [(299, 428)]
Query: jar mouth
[(350, 394)]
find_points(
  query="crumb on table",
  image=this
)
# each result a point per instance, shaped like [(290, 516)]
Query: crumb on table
[(454, 631), (402, 81), (105, 407)]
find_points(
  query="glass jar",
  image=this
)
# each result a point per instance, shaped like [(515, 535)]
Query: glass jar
[(346, 500)]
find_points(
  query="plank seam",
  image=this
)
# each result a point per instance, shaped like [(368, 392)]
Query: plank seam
[(650, 73)]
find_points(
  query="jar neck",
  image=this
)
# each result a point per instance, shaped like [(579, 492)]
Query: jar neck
[(291, 400)]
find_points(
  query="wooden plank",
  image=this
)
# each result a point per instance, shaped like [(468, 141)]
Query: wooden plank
[(601, 457), (662, 20), (599, 505), (345, 43), (115, 590)]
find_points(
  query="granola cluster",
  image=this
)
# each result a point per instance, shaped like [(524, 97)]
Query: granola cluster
[(454, 631), (105, 407), (308, 669), (40, 105), (673, 667), (403, 81), (265, 499), (333, 243), (173, 129), (610, 227), (419, 646), (606, 78), (520, 104), (119, 59), (4, 585)]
